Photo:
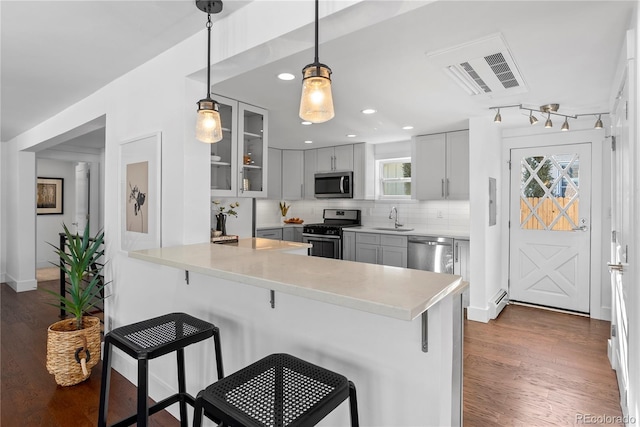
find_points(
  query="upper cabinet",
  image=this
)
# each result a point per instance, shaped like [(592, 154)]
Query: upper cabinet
[(309, 173), (292, 175), (440, 166), (241, 169), (338, 158), (275, 174)]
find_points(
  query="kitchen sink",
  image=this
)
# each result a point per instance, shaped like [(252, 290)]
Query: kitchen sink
[(392, 229)]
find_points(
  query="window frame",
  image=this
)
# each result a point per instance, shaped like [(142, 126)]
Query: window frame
[(380, 163)]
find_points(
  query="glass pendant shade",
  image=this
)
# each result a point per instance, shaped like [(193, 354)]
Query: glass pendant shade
[(316, 103), (208, 125)]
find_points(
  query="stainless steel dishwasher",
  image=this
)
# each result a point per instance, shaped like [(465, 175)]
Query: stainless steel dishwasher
[(430, 254)]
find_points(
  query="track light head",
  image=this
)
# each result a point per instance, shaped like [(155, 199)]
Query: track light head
[(498, 117), (565, 125), (548, 124), (532, 118), (598, 124)]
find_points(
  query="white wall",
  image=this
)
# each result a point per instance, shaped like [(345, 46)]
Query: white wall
[(48, 227), (485, 241), (3, 215)]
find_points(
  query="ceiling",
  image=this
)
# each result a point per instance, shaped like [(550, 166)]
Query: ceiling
[(566, 52)]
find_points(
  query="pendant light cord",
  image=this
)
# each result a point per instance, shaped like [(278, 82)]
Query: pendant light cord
[(209, 24), (316, 60)]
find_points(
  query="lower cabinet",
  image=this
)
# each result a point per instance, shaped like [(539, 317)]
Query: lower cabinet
[(381, 249), (349, 245), (292, 234), (461, 265), (270, 233)]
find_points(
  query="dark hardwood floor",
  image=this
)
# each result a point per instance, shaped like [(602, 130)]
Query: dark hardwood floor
[(29, 395), (533, 367), (529, 367)]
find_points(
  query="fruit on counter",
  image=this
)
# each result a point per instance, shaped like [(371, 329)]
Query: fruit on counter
[(294, 220)]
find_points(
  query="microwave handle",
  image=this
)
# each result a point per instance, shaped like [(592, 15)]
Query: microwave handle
[(342, 184)]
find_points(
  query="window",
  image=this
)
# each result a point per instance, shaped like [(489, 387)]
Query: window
[(394, 178)]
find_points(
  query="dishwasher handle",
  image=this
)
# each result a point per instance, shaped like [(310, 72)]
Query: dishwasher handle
[(430, 241), (424, 242)]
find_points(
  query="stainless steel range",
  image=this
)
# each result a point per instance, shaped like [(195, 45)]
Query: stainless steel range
[(326, 237)]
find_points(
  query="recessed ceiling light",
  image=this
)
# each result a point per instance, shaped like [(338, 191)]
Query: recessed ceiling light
[(286, 76), (351, 135), (306, 123), (368, 111), (308, 142), (407, 127)]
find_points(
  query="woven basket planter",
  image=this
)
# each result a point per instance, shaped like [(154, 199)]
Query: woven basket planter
[(66, 347)]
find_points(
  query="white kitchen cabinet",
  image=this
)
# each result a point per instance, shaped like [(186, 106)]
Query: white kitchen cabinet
[(274, 187), (461, 265), (363, 172), (309, 174), (440, 166), (270, 233), (349, 245), (338, 158), (292, 174), (242, 170), (381, 249)]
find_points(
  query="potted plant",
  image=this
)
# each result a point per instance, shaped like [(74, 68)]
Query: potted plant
[(221, 216), (73, 344)]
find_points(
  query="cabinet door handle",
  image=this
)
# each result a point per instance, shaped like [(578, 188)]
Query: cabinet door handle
[(456, 252), (447, 186), (442, 187), (302, 190)]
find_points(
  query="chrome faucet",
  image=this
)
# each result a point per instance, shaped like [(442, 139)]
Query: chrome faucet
[(394, 216)]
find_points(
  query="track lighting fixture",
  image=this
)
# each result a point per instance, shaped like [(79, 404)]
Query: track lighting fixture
[(598, 124), (208, 126), (549, 110)]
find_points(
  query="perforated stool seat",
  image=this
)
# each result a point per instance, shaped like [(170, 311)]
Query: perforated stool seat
[(278, 390), (147, 340)]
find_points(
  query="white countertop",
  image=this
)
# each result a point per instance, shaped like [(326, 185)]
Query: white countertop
[(394, 292), (276, 225), (416, 231)]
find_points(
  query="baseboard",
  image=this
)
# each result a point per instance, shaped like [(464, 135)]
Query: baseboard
[(497, 303), (21, 285), (611, 354), (3, 278), (158, 389), (478, 314)]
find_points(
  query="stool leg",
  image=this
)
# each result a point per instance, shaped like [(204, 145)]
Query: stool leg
[(104, 385), (353, 405), (182, 388), (197, 411), (143, 392), (218, 349)]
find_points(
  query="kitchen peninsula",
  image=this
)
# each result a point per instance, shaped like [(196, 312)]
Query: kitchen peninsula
[(362, 320)]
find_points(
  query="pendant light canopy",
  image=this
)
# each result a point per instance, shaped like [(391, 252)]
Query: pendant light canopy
[(316, 103), (208, 124)]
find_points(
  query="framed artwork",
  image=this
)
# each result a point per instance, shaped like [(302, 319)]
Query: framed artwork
[(141, 192), (49, 196)]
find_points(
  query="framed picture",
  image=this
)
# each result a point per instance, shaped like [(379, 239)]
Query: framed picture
[(49, 196), (141, 192)]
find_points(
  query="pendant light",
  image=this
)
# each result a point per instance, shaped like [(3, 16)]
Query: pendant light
[(316, 103), (208, 125)]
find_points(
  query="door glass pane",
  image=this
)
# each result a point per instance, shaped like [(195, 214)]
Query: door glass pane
[(550, 192)]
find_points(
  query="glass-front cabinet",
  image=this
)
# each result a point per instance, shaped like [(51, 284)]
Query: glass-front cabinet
[(239, 160)]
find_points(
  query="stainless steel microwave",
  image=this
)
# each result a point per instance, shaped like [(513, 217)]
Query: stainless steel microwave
[(334, 185)]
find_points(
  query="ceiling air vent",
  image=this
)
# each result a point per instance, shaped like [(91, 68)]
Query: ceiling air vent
[(481, 67)]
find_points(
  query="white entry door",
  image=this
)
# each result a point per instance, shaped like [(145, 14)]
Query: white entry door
[(82, 196), (550, 233), (622, 238)]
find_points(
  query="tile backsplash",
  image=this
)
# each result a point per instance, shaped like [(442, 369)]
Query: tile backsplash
[(441, 214)]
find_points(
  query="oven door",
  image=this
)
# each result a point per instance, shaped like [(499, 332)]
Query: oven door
[(324, 246)]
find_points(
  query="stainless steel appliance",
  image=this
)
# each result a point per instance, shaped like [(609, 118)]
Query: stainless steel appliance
[(430, 254), (333, 185), (326, 237)]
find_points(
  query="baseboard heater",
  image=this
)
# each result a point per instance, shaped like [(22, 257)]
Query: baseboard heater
[(498, 302)]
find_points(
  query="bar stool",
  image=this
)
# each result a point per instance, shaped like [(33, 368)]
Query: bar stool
[(147, 340), (278, 390)]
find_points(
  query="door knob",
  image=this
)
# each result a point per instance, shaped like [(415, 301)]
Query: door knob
[(615, 267), (581, 228)]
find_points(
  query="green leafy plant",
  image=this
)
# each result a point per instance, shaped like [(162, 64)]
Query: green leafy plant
[(80, 263), (224, 210)]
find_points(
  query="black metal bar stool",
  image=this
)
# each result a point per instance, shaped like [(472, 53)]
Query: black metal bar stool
[(147, 340), (278, 390)]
